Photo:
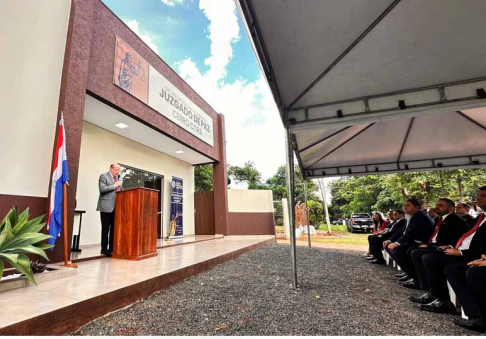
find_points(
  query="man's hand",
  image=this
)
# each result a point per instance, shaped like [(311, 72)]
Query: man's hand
[(117, 184), (423, 246), (385, 243), (478, 262), (452, 251), (445, 247), (393, 246)]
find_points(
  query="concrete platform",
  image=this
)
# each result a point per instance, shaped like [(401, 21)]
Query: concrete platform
[(104, 285), (91, 252)]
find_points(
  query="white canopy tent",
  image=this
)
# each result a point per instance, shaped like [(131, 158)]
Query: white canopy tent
[(375, 86)]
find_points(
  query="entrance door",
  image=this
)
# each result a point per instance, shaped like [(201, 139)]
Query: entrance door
[(204, 204), (133, 177)]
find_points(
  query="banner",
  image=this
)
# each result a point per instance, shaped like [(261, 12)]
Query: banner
[(175, 222), (136, 76)]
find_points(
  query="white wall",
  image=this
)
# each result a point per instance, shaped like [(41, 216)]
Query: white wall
[(33, 39), (100, 148), (248, 201)]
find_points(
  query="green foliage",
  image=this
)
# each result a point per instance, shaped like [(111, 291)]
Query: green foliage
[(278, 185), (247, 174), (384, 192), (19, 237), (316, 215), (203, 177)]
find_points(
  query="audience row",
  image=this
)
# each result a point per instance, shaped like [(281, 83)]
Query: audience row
[(436, 246)]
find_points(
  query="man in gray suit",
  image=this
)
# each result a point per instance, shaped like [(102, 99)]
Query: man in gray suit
[(109, 183)]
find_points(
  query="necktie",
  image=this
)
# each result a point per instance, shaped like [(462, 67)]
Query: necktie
[(473, 230), (114, 181), (436, 229)]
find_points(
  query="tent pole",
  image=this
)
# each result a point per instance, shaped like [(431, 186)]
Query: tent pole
[(307, 211), (291, 203)]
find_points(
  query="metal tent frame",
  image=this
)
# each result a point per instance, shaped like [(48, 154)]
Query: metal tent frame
[(374, 86)]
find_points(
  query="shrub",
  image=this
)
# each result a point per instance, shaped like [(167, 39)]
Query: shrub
[(19, 237)]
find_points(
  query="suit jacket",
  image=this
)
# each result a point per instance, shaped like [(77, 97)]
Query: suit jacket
[(452, 228), (470, 220), (396, 230), (420, 227), (106, 201), (478, 244)]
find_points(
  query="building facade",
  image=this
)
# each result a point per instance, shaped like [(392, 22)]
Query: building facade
[(78, 58)]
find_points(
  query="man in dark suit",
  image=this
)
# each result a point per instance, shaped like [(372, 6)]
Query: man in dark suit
[(468, 248), (376, 241), (108, 184), (449, 227), (462, 210), (432, 213), (469, 283), (420, 227)]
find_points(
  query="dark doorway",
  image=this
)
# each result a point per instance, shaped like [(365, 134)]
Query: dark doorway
[(134, 177)]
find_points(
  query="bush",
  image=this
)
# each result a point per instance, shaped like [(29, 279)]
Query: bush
[(19, 237)]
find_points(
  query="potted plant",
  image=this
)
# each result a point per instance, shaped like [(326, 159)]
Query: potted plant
[(20, 236)]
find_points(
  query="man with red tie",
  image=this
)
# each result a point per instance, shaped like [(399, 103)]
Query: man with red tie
[(469, 283), (449, 227), (468, 248), (108, 183)]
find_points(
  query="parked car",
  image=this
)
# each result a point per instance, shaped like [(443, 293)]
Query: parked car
[(360, 222)]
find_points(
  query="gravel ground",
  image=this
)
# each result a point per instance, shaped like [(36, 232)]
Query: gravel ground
[(340, 294)]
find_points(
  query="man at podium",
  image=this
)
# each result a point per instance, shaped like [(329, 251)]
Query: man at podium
[(109, 183)]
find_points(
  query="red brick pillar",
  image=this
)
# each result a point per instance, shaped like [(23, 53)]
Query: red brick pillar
[(220, 176)]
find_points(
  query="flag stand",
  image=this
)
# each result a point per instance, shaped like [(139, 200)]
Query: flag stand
[(64, 226)]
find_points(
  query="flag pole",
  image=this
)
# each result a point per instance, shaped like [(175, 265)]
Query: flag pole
[(64, 226)]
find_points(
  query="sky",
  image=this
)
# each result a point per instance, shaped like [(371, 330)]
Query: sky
[(205, 42)]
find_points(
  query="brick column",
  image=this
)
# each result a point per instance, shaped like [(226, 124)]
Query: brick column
[(220, 176)]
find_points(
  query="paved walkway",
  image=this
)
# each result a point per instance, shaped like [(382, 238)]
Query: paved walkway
[(98, 278)]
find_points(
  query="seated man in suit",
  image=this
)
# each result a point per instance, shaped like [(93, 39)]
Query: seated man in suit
[(469, 247), (420, 227), (469, 283), (376, 242), (462, 210), (432, 213), (449, 227)]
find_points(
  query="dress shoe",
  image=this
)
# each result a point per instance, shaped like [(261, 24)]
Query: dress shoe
[(472, 324), (423, 299), (400, 275), (370, 258), (411, 284), (404, 278), (367, 254), (378, 262), (440, 306)]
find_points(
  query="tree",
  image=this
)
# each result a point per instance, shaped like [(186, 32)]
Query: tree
[(384, 192), (278, 185), (315, 212), (203, 177), (247, 174)]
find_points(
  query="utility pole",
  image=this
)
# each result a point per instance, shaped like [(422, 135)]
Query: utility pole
[(307, 209), (459, 184), (324, 202), (442, 185)]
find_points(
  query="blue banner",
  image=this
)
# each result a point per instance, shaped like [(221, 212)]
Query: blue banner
[(175, 222)]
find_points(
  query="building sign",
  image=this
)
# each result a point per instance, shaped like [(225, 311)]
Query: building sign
[(131, 71), (136, 76), (176, 207)]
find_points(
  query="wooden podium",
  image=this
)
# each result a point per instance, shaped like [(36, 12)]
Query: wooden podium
[(135, 235)]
